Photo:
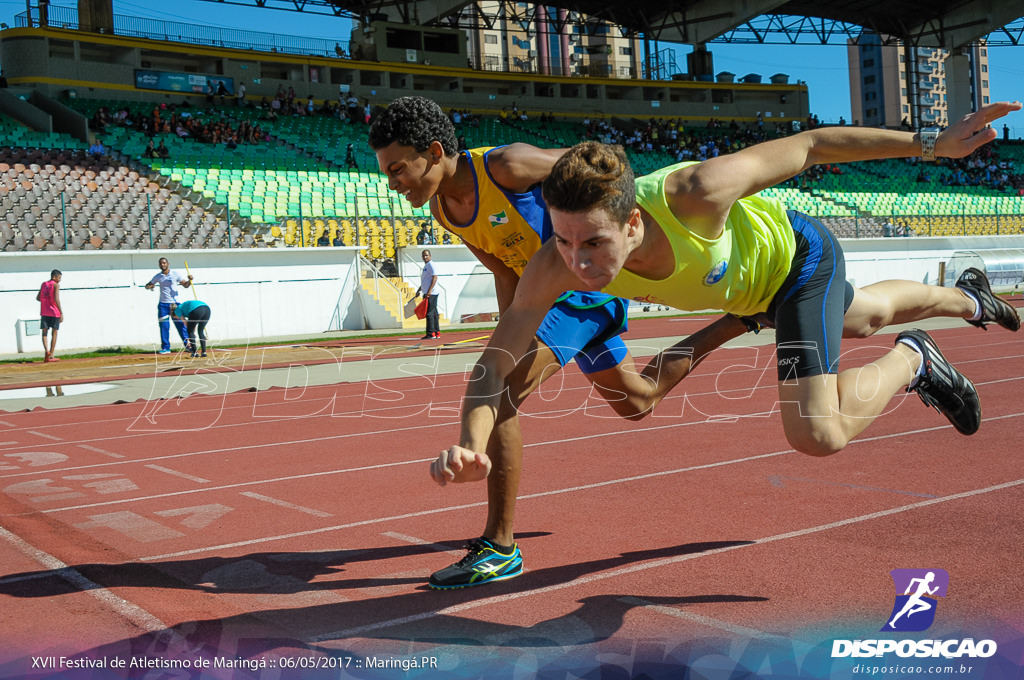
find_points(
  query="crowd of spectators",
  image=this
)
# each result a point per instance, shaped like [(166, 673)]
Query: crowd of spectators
[(716, 137), (464, 116), (180, 120), (287, 103), (682, 142), (348, 107), (983, 168)]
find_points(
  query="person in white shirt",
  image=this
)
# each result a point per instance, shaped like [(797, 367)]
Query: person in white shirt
[(169, 280), (428, 287)]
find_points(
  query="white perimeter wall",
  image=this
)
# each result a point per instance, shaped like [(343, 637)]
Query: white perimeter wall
[(252, 293), (869, 260), (255, 293)]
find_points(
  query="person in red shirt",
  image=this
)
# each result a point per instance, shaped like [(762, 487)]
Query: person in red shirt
[(50, 312)]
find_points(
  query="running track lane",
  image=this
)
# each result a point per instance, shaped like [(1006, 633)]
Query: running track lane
[(281, 523)]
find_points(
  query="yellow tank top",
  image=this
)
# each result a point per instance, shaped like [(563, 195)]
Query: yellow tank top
[(507, 225), (738, 272)]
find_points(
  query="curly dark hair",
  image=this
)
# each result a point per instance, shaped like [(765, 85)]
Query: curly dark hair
[(415, 122)]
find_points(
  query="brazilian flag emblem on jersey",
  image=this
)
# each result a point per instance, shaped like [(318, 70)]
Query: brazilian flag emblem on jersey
[(498, 219)]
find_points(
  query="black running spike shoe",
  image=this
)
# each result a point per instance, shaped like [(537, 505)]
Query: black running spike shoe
[(993, 308), (482, 564), (943, 387)]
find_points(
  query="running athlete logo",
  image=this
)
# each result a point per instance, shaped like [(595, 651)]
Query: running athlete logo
[(498, 219), (914, 610), (716, 273)]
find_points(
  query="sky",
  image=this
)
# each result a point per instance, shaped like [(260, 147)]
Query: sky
[(823, 68)]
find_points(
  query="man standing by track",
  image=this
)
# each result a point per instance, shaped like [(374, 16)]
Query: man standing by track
[(169, 280), (428, 288)]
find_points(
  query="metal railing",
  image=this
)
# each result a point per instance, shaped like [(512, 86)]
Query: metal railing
[(926, 222), (67, 219), (193, 34), (383, 289)]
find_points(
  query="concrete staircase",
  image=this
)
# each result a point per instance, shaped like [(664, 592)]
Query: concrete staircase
[(392, 303)]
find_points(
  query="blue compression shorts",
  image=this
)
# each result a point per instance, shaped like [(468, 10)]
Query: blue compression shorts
[(586, 327), (808, 309)]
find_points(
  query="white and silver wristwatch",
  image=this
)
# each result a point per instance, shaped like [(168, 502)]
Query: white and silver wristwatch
[(928, 137)]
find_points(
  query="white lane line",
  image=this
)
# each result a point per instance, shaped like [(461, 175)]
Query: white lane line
[(537, 495), (703, 620), (440, 406), (231, 449), (235, 486), (439, 547), (713, 359), (427, 460), (313, 532), (95, 449), (542, 494), (286, 504), (183, 475), (128, 610), (269, 405), (45, 436), (667, 561)]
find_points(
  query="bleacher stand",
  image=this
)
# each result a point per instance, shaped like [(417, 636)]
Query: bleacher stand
[(282, 180)]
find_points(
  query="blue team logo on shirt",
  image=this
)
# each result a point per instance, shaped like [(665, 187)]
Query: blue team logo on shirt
[(914, 609), (716, 273)]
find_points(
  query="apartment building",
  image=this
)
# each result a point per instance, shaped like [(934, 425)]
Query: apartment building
[(924, 86)]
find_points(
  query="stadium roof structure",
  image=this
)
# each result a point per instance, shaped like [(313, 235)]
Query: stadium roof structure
[(947, 24)]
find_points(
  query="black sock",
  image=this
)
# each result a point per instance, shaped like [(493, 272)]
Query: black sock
[(503, 549)]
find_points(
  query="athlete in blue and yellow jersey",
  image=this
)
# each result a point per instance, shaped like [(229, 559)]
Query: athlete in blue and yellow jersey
[(697, 235), (491, 198), (511, 226)]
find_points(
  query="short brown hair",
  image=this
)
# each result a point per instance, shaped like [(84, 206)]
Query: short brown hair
[(592, 175)]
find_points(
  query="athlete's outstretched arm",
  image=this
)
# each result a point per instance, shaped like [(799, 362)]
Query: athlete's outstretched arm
[(701, 195), (634, 395), (546, 277), (485, 390)]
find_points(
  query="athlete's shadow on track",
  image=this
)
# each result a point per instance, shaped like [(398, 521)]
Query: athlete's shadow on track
[(598, 617), (431, 617), (265, 573)]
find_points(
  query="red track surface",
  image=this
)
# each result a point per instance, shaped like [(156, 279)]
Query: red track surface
[(288, 524)]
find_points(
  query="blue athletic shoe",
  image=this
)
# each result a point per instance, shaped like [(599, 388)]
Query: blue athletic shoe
[(483, 564)]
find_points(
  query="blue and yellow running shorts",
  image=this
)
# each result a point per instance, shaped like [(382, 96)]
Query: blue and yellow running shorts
[(586, 326)]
